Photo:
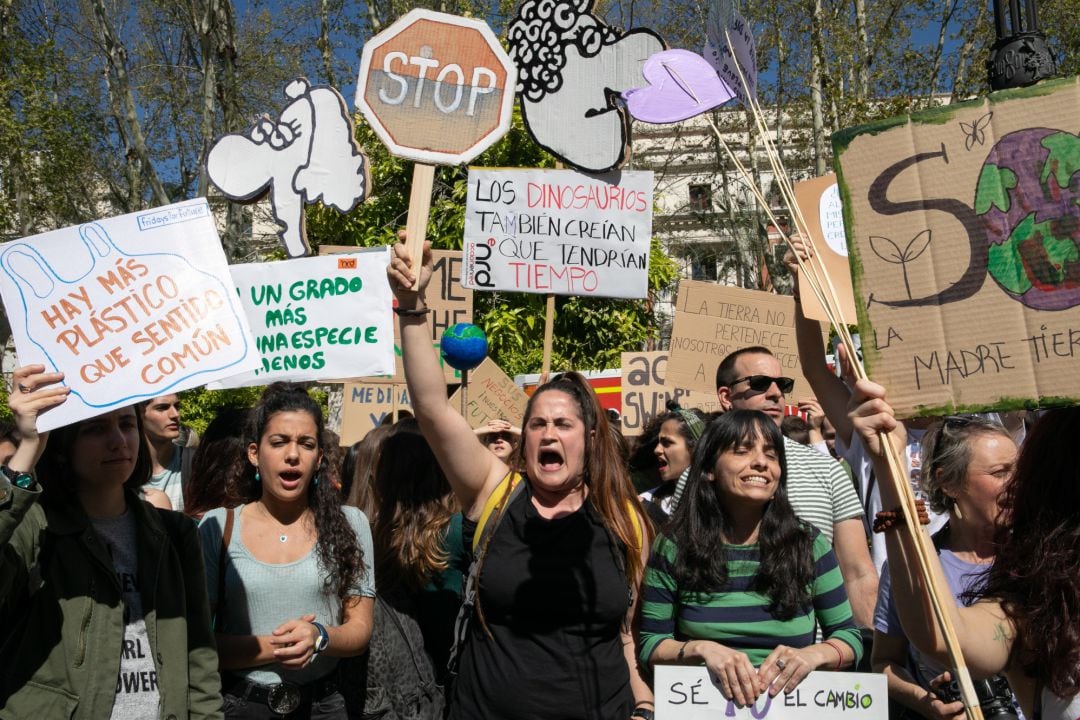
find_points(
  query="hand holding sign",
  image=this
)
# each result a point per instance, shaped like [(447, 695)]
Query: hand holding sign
[(682, 84), (125, 326)]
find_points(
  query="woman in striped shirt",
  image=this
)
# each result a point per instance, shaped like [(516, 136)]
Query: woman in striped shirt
[(736, 581)]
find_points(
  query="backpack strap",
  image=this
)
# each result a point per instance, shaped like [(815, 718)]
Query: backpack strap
[(223, 556), (483, 528)]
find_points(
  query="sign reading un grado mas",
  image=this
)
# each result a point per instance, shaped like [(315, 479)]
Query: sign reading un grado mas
[(436, 88)]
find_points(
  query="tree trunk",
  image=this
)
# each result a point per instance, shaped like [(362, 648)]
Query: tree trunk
[(963, 63), (817, 93), (862, 54), (324, 43), (124, 109)]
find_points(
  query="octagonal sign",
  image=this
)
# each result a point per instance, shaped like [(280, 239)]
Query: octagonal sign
[(437, 88)]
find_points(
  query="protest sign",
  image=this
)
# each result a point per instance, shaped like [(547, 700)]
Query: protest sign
[(819, 201), (570, 63), (558, 232), (689, 693), (125, 326), (962, 225), (712, 321), (367, 405), (308, 154), (448, 301), (644, 395), (492, 395), (317, 318)]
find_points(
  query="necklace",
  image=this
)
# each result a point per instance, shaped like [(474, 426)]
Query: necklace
[(282, 537)]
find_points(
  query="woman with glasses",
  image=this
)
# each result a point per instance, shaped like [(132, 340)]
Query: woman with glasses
[(1025, 621), (736, 582), (966, 463)]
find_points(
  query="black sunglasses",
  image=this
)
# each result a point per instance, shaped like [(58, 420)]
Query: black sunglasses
[(761, 383)]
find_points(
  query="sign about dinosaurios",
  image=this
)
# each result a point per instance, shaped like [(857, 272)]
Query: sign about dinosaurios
[(963, 226)]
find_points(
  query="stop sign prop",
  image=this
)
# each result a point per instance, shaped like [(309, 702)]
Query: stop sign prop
[(437, 89)]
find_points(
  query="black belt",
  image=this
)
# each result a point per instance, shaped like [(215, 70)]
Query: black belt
[(282, 698)]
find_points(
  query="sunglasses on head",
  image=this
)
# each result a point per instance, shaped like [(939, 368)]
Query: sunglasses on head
[(761, 383)]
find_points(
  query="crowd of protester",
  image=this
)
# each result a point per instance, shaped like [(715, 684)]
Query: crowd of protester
[(433, 570)]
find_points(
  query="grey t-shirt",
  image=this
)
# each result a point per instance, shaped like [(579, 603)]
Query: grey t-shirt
[(262, 596), (137, 694)]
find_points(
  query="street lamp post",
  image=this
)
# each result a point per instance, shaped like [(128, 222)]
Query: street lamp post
[(1019, 56)]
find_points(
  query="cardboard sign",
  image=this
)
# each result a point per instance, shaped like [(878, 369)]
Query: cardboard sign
[(558, 232), (730, 48), (644, 395), (712, 321), (689, 693), (448, 301), (436, 88), (963, 233), (317, 318), (121, 325), (308, 154), (492, 396), (819, 200), (681, 85), (569, 62), (365, 406)]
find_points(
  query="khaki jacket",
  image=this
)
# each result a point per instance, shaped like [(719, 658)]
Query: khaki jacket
[(62, 619)]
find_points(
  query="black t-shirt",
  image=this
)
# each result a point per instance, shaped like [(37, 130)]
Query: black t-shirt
[(553, 595)]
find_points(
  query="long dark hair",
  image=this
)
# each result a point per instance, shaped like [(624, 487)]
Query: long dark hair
[(58, 482), (213, 482), (414, 507), (340, 556), (700, 523), (1036, 570)]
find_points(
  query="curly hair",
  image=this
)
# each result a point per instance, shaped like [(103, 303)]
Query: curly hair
[(700, 523), (415, 505), (1036, 570), (340, 556), (541, 32), (946, 454), (53, 469)]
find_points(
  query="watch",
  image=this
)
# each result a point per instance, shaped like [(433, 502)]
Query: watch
[(642, 713), (324, 638), (11, 478)]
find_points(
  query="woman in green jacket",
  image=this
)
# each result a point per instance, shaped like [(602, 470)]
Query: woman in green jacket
[(103, 609)]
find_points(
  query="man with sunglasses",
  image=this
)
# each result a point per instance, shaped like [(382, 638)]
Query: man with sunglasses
[(818, 488)]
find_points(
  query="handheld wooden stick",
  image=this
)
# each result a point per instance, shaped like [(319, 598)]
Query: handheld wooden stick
[(423, 180)]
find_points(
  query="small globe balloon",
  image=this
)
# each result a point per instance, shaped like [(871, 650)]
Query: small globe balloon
[(464, 346)]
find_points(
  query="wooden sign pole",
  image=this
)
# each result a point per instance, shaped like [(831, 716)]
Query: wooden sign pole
[(423, 180), (549, 332), (464, 391)]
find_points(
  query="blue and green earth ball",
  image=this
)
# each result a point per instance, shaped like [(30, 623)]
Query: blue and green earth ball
[(464, 346)]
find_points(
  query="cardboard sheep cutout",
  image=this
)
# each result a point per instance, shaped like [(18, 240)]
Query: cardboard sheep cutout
[(571, 71), (308, 154)]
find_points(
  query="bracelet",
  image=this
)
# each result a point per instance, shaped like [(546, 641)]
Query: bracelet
[(642, 713), (410, 312), (682, 652), (839, 655), (887, 519)]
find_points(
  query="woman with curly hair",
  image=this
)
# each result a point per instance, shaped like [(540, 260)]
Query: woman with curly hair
[(295, 592), (1025, 622), (558, 538), (736, 582)]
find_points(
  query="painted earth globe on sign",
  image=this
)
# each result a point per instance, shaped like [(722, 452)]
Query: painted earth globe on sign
[(464, 346), (1028, 199)]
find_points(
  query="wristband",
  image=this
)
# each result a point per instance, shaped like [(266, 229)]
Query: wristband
[(410, 312), (839, 655), (642, 713), (682, 652)]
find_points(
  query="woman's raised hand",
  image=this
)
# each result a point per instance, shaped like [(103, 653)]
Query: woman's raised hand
[(33, 391), (737, 676), (402, 273), (871, 416)]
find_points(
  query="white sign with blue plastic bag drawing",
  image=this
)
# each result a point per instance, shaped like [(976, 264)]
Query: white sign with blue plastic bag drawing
[(128, 308), (689, 693), (318, 318)]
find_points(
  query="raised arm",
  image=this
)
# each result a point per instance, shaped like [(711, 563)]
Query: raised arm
[(985, 633), (472, 471)]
